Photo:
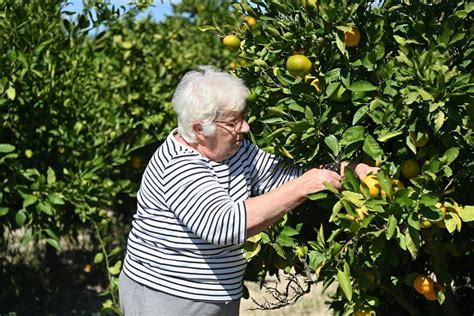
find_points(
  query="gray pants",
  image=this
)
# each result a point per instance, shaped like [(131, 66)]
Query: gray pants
[(139, 300)]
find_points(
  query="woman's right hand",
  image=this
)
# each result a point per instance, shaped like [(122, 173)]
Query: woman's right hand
[(313, 180)]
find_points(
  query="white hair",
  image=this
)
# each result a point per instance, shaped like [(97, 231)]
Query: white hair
[(204, 95)]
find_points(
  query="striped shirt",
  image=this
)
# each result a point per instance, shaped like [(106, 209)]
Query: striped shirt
[(187, 234)]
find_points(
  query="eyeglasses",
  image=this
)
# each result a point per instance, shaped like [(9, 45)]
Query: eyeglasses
[(238, 123)]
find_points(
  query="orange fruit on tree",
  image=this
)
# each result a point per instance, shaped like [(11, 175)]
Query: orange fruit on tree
[(372, 184), (250, 21), (431, 296), (299, 65), (423, 284), (352, 37), (231, 42), (410, 168), (397, 185)]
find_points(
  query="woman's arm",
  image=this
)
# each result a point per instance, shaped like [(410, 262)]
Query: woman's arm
[(266, 209)]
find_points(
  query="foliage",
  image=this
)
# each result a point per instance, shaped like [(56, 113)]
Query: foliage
[(409, 78), (82, 109)]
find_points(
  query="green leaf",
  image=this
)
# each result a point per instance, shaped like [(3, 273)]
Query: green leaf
[(413, 241), (388, 135), (317, 196), (330, 187), (55, 243), (285, 241), (309, 115), (361, 86), (11, 93), (414, 221), (20, 217), (115, 270), (350, 180), (6, 148), (333, 144), (452, 222), (29, 200), (320, 237), (345, 283), (353, 134), (51, 234), (316, 258), (392, 224), (289, 231), (45, 207), (372, 148), (359, 114), (439, 120), (251, 250), (56, 199), (51, 176), (3, 211), (450, 155), (467, 213), (355, 198)]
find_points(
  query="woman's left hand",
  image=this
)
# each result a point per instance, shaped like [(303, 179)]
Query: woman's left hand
[(362, 170)]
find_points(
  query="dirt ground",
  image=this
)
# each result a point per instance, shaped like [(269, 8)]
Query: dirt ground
[(312, 303)]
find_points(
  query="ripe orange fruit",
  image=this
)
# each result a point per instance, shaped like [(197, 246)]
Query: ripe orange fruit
[(250, 21), (410, 168), (372, 184), (352, 37), (421, 141), (231, 42), (299, 65), (431, 296), (397, 185), (87, 268), (423, 284)]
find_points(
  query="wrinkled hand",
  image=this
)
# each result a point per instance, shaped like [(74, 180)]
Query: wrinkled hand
[(314, 180), (362, 170)]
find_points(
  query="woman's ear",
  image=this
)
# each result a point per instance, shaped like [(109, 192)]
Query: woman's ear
[(197, 128)]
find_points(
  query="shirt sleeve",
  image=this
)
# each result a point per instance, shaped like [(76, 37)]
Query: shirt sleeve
[(267, 171), (194, 194)]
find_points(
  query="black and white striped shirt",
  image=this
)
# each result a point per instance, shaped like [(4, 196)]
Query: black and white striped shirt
[(187, 234)]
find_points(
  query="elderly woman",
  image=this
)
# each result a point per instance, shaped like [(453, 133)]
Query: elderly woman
[(205, 190)]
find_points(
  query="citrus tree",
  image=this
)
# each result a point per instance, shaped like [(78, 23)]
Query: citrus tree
[(82, 109), (387, 83)]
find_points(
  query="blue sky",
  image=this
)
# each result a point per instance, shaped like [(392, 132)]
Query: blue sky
[(159, 10)]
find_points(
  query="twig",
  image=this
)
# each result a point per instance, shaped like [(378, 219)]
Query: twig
[(284, 298)]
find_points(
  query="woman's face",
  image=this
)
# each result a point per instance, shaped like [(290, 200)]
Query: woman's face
[(230, 130)]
